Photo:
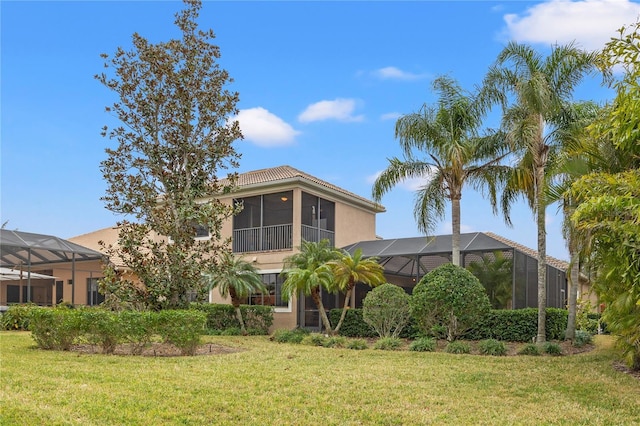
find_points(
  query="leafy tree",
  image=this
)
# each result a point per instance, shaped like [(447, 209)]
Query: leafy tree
[(455, 155), (386, 308), (451, 297), (607, 217), (541, 90), (351, 269), (307, 273), (496, 276), (174, 137), (236, 278)]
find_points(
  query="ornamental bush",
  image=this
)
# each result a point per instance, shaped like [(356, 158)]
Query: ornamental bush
[(451, 297), (182, 328), (423, 344), (386, 309), (492, 347), (101, 327), (17, 317), (222, 317), (55, 328)]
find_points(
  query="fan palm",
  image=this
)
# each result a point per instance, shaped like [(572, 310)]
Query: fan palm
[(306, 273), (454, 155), (351, 269), (236, 279), (541, 89)]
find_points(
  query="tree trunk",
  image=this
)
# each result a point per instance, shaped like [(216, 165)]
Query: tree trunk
[(574, 282), (236, 304), (455, 231), (542, 254), (315, 295), (347, 302)]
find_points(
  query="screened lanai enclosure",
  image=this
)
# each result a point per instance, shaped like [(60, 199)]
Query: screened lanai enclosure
[(509, 271), (44, 269)]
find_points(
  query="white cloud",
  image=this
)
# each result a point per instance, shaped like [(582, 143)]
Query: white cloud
[(264, 128), (590, 23), (390, 116), (338, 109), (393, 73)]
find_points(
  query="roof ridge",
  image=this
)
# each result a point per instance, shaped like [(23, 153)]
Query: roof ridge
[(558, 262)]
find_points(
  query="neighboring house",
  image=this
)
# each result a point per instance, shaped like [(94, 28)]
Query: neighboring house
[(47, 270)]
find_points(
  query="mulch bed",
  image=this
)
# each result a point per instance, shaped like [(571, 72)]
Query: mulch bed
[(157, 349)]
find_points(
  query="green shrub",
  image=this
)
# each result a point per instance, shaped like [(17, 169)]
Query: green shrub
[(101, 327), (388, 344), (17, 317), (529, 349), (353, 325), (449, 296), (181, 328), (289, 336), (314, 339), (582, 338), (458, 347), (518, 325), (423, 344), (137, 328), (55, 328), (221, 317), (552, 348), (232, 331), (335, 342), (492, 347), (357, 344), (386, 309)]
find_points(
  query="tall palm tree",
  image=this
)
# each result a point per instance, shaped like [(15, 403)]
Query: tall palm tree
[(454, 155), (236, 279), (306, 273), (541, 90), (351, 269)]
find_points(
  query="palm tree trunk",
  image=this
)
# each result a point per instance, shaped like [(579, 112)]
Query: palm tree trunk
[(347, 302), (455, 231), (542, 254), (574, 282), (315, 295), (236, 304)]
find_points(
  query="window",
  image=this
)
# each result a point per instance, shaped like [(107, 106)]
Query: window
[(201, 231), (93, 296), (318, 218), (273, 295)]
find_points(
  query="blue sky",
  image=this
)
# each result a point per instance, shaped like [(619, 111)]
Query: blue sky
[(320, 83)]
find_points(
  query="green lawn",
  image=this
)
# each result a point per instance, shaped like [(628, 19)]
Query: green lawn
[(281, 384)]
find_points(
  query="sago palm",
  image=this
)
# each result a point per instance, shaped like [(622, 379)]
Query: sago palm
[(351, 269), (535, 91), (442, 145), (236, 279), (306, 273)]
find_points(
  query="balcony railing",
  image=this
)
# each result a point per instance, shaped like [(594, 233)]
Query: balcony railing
[(275, 237), (312, 234)]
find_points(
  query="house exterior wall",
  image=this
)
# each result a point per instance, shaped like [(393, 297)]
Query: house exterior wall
[(352, 224)]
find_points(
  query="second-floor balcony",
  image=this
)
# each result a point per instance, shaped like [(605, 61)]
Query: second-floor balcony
[(275, 237), (265, 238)]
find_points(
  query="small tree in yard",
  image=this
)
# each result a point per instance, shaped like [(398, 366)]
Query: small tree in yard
[(236, 278), (386, 308), (175, 136), (450, 297)]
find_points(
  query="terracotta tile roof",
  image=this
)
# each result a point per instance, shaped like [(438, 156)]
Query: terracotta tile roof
[(556, 263), (286, 173)]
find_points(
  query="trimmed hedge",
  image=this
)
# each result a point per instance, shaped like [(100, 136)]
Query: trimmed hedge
[(354, 325), (60, 328), (517, 325), (221, 318)]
